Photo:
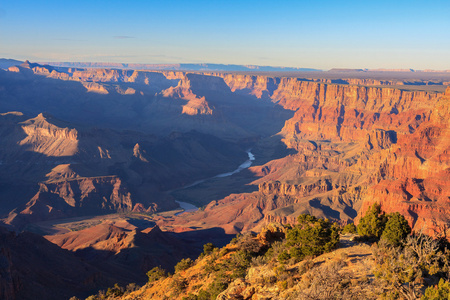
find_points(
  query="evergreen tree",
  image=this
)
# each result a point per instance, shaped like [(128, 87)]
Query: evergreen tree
[(311, 236), (155, 274), (183, 264), (396, 229), (349, 228), (373, 223), (441, 291)]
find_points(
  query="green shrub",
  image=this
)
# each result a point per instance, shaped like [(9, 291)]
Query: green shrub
[(404, 270), (349, 228), (178, 284), (203, 295), (248, 243), (155, 274), (223, 252), (235, 239), (208, 248), (190, 296), (373, 223), (275, 250), (307, 264), (258, 261), (215, 288), (396, 229), (131, 287), (441, 291), (282, 285), (283, 257), (183, 265), (115, 291), (311, 237), (238, 263)]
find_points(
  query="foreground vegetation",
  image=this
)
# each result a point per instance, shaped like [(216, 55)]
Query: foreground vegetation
[(385, 261)]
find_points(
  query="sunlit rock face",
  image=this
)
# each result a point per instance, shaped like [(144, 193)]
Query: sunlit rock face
[(355, 146)]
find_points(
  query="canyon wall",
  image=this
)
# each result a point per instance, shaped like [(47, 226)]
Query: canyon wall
[(354, 146), (354, 141)]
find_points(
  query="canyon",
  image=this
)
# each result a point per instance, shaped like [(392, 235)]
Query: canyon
[(115, 149)]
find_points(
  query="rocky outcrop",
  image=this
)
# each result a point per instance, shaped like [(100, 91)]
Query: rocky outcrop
[(196, 105), (41, 127), (259, 86), (73, 172), (298, 190), (47, 138), (344, 112), (350, 112), (380, 139), (102, 75), (95, 88), (133, 246), (73, 197), (140, 154)]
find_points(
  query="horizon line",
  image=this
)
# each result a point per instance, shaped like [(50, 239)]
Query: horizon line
[(249, 66)]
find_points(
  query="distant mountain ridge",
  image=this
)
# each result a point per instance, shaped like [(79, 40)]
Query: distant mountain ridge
[(5, 63), (179, 67)]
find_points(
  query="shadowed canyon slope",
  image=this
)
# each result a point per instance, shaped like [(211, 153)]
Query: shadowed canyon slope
[(152, 102), (33, 266), (81, 262), (89, 171)]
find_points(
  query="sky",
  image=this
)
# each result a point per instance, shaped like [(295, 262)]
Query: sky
[(306, 34)]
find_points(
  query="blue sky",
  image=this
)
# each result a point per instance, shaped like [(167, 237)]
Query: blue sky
[(313, 34)]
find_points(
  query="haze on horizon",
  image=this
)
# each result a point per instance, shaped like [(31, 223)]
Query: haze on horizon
[(306, 34)]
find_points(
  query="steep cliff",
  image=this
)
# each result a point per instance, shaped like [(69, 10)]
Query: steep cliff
[(415, 173), (355, 145)]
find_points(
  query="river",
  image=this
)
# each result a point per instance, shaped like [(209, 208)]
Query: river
[(190, 207)]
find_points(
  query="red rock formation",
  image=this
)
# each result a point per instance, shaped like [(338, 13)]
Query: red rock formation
[(195, 105), (297, 190), (95, 88), (258, 86), (391, 147), (415, 173)]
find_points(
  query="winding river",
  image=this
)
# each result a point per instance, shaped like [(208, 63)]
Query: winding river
[(190, 207)]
